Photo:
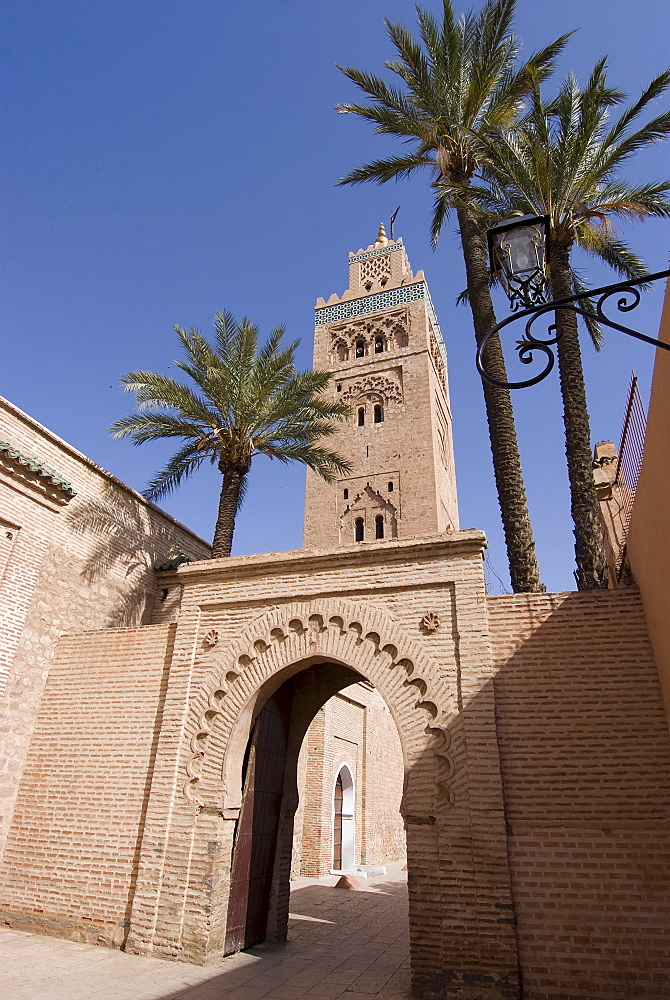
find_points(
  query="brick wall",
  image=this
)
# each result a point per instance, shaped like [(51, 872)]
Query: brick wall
[(586, 771), (648, 544), (71, 857), (537, 780), (355, 728), (360, 605), (73, 563)]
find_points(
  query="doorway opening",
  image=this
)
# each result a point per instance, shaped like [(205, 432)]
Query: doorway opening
[(322, 783), (344, 822)]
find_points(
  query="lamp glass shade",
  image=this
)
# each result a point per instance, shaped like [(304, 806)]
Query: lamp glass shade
[(517, 248)]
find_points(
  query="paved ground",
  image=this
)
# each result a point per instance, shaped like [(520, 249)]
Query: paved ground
[(351, 945)]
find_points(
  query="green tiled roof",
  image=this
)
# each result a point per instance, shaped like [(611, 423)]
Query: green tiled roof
[(38, 466)]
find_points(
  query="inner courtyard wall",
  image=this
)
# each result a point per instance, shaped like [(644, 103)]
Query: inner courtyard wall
[(355, 728)]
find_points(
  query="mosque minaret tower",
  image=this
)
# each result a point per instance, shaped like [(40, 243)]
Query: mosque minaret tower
[(383, 342)]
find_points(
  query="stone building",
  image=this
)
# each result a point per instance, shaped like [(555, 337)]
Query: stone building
[(159, 806)]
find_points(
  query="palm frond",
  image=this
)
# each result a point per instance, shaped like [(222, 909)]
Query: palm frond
[(594, 328), (181, 465), (393, 168), (250, 400)]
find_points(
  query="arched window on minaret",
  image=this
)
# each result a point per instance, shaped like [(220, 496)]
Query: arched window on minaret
[(379, 526), (359, 529), (400, 336), (360, 348), (361, 416), (379, 345), (378, 413)]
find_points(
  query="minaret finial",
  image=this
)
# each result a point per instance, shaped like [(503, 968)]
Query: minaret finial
[(382, 239)]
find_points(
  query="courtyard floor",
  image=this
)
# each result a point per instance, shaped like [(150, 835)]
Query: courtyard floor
[(342, 944)]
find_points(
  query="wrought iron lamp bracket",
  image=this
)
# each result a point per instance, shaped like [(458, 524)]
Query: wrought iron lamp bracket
[(531, 343)]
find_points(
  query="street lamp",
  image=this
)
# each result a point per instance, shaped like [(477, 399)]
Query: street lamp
[(519, 253)]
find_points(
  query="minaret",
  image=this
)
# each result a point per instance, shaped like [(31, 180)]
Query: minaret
[(382, 340)]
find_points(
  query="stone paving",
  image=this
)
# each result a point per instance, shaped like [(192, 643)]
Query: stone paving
[(343, 944)]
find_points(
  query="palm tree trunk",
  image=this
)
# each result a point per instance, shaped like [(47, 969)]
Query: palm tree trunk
[(589, 548), (229, 501), (523, 567)]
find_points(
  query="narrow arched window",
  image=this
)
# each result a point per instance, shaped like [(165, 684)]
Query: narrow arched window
[(379, 345), (346, 494), (379, 526), (379, 413), (390, 486), (359, 529), (360, 348), (361, 416), (337, 825)]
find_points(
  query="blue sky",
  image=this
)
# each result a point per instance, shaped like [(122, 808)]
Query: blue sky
[(163, 160)]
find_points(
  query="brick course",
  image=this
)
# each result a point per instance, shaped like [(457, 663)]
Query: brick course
[(73, 850)]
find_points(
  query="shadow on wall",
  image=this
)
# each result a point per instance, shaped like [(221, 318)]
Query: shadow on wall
[(585, 761), (126, 542)]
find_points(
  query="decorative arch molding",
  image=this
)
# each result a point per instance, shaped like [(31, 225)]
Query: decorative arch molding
[(389, 389), (358, 636), (368, 501)]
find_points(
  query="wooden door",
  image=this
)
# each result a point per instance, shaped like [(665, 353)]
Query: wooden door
[(257, 826)]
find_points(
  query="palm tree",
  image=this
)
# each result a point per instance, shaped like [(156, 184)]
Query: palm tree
[(564, 160), (245, 401), (458, 76)]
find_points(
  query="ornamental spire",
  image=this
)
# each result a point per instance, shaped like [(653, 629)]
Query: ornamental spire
[(381, 240)]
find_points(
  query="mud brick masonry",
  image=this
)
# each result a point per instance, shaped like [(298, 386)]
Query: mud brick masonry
[(174, 739)]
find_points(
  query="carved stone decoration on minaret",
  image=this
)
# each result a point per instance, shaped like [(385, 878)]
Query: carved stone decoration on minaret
[(382, 340)]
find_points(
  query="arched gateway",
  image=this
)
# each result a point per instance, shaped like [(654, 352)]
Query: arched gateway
[(292, 659)]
